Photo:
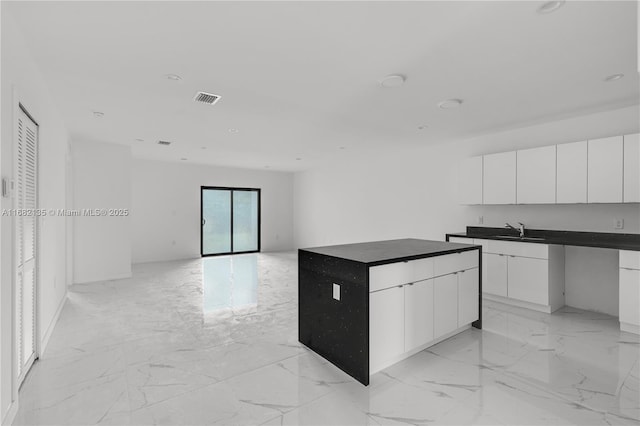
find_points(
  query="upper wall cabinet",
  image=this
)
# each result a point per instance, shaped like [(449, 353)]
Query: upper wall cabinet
[(536, 175), (499, 178), (571, 184), (470, 181), (605, 162), (631, 183)]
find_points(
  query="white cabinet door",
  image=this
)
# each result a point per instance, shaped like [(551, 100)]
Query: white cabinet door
[(445, 304), (528, 279), (468, 295), (629, 259), (631, 168), (536, 175), (470, 181), (605, 159), (495, 281), (571, 173), (386, 326), (499, 178), (418, 314), (630, 296)]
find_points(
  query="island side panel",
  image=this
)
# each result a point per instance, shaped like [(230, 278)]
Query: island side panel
[(478, 322), (336, 330)]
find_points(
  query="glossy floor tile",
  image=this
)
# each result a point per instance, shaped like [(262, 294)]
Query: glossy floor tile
[(214, 341)]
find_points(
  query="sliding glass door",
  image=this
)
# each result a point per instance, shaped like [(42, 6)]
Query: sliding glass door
[(230, 220)]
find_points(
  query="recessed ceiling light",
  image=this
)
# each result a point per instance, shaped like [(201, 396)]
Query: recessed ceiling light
[(139, 140), (233, 130), (342, 147), (613, 77), (298, 158), (183, 159), (203, 147), (98, 114), (393, 80), (174, 77), (266, 167), (450, 103), (423, 127), (550, 6)]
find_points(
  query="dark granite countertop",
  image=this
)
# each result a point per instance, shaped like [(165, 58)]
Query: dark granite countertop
[(382, 252), (564, 238)]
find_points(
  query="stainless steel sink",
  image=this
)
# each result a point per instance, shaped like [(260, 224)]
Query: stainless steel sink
[(515, 237)]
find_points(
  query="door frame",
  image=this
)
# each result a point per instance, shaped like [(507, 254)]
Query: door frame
[(20, 378), (231, 190)]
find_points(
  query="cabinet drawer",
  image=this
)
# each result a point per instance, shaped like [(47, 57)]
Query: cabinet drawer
[(630, 259), (538, 251), (455, 262), (461, 240), (393, 274), (421, 269)]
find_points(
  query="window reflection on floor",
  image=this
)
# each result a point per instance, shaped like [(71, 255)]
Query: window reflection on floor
[(230, 283)]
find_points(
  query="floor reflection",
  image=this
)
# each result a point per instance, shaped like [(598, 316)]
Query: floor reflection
[(230, 283)]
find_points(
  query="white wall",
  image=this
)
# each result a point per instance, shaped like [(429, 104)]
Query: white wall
[(102, 180), (19, 71), (166, 207), (414, 192)]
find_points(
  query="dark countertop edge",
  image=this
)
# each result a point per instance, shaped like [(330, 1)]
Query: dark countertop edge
[(403, 258), (553, 241)]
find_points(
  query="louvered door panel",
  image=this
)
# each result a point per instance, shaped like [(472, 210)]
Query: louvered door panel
[(25, 239)]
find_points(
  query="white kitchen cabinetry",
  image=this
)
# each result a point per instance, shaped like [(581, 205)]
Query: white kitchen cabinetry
[(605, 163), (630, 291), (468, 296), (536, 175), (496, 276), (418, 318), (499, 178), (470, 181), (571, 184), (435, 300), (445, 307), (529, 275), (631, 181), (386, 325)]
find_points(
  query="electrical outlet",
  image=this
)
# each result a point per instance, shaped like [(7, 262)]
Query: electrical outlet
[(618, 223), (480, 220), (336, 291)]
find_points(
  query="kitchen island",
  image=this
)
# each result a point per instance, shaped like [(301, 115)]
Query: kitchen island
[(367, 306)]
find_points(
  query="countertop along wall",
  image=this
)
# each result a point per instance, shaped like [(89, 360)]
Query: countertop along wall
[(166, 207), (413, 194)]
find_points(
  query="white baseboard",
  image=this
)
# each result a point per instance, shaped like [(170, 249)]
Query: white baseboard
[(11, 413), (520, 304), (630, 328), (47, 335)]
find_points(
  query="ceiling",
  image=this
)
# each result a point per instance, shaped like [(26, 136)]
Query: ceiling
[(300, 81)]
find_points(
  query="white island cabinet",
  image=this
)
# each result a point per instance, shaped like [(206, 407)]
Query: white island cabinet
[(417, 303)]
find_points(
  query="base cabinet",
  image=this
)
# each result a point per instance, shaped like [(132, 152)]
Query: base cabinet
[(408, 317), (496, 274), (445, 308), (386, 325), (528, 279), (469, 295)]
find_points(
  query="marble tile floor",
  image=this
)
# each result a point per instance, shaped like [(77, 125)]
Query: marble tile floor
[(159, 349)]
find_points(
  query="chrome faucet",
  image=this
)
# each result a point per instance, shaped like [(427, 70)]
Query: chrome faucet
[(519, 228)]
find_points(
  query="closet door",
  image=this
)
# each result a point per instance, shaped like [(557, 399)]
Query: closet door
[(25, 229)]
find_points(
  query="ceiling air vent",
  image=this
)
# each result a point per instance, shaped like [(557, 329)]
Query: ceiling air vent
[(164, 143), (206, 98)]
